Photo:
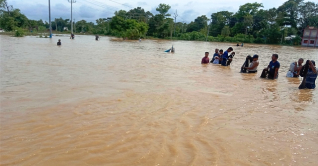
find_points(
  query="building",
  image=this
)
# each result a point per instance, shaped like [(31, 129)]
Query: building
[(310, 37)]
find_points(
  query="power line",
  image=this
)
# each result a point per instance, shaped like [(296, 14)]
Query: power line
[(102, 5), (120, 3)]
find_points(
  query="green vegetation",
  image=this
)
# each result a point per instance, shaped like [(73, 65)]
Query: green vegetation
[(19, 32), (250, 24)]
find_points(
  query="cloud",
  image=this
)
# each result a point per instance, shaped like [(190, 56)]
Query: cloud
[(142, 3), (189, 15), (87, 12), (188, 10)]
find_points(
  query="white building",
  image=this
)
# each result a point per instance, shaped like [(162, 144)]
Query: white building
[(310, 37)]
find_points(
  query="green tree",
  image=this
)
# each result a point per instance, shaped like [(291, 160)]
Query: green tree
[(219, 20), (226, 31), (163, 9), (198, 24)]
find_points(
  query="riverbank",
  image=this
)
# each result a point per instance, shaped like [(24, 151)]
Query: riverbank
[(232, 40)]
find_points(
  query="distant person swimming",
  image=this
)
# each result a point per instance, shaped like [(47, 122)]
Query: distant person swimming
[(271, 72), (59, 42), (205, 59)]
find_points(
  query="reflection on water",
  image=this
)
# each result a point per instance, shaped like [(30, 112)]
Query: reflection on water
[(113, 102)]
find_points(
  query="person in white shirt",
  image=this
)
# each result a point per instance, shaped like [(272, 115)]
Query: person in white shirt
[(294, 68), (253, 66)]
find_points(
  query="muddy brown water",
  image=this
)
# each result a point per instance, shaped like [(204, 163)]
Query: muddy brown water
[(113, 102)]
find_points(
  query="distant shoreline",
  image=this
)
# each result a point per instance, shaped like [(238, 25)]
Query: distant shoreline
[(147, 38)]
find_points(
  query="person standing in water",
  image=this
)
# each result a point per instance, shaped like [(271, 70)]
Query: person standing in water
[(59, 42), (220, 56), (253, 66), (225, 56), (311, 75), (294, 68), (96, 37), (271, 72), (216, 54), (205, 59)]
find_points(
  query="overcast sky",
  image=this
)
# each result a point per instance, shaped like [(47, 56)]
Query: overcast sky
[(91, 10)]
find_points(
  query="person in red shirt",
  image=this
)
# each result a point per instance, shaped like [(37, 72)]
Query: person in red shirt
[(205, 59)]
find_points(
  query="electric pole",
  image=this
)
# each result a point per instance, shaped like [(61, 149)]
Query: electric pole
[(175, 20), (74, 26), (208, 26), (72, 1), (50, 19)]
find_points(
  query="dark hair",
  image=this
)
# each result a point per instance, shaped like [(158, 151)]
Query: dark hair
[(221, 50), (313, 62), (230, 48), (255, 56), (276, 55), (206, 52), (304, 69)]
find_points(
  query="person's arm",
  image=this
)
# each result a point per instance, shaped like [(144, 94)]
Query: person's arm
[(252, 67), (296, 68), (312, 67), (276, 73)]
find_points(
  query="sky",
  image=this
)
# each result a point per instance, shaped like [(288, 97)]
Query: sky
[(90, 10)]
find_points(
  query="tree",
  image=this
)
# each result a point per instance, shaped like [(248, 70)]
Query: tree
[(139, 14), (226, 31), (289, 12), (198, 24), (308, 15), (121, 13), (219, 20), (163, 9)]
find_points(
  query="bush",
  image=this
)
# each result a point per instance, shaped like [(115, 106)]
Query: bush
[(19, 32)]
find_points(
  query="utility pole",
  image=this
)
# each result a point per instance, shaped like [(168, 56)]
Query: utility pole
[(74, 26), (175, 20), (50, 19), (72, 1), (207, 35), (55, 25)]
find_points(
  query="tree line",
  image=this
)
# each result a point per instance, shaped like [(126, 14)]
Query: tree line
[(250, 24)]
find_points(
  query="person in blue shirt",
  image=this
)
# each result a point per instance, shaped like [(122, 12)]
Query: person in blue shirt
[(216, 54), (271, 72), (310, 76), (225, 56)]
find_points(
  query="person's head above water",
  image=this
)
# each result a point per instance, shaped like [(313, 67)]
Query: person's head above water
[(313, 62), (255, 57), (216, 50), (206, 54), (300, 61), (230, 49), (59, 40), (274, 57), (221, 51)]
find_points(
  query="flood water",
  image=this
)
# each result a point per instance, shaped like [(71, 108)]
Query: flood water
[(112, 102)]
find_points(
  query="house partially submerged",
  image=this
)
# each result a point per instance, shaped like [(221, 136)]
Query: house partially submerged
[(310, 37)]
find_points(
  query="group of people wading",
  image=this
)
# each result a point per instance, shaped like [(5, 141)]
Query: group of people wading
[(307, 71)]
